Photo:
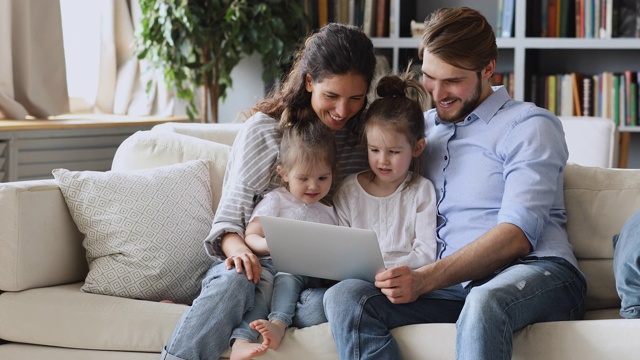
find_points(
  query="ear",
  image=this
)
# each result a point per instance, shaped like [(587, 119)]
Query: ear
[(282, 173), (488, 70), (419, 148), (308, 83)]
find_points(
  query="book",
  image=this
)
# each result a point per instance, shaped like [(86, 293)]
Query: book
[(382, 18), (577, 88), (323, 12), (368, 18), (587, 97), (566, 95), (552, 14), (508, 8)]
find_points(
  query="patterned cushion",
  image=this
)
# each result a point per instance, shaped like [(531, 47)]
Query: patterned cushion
[(144, 229)]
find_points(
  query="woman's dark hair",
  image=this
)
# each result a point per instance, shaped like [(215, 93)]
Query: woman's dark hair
[(335, 49), (400, 107), (461, 37)]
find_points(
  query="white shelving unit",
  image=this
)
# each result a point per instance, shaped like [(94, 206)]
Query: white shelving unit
[(522, 55)]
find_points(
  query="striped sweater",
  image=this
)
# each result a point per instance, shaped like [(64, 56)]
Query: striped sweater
[(249, 173)]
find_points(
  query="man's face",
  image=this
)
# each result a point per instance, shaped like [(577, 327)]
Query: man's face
[(456, 92)]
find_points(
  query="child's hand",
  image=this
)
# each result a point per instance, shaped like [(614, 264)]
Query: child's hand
[(247, 261), (399, 284)]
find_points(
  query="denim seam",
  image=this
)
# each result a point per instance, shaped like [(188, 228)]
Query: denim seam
[(356, 334)]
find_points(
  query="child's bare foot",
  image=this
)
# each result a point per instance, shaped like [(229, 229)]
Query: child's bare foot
[(245, 350), (272, 331)]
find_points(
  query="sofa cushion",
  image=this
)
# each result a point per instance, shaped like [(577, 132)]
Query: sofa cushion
[(143, 229), (598, 202)]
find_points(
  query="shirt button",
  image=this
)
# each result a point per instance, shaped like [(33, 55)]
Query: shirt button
[(446, 157)]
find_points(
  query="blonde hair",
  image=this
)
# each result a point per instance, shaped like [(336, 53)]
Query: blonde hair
[(307, 143)]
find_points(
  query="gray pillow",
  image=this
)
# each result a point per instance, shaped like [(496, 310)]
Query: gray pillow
[(144, 229)]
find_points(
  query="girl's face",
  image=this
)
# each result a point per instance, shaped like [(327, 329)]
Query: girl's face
[(390, 154), (308, 185), (338, 98)]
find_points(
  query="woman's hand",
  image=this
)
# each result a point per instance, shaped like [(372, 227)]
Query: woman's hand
[(241, 257), (400, 284), (247, 261)]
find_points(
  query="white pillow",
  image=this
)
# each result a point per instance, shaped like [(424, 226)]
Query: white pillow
[(144, 229)]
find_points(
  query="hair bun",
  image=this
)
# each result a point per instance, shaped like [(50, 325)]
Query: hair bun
[(391, 86)]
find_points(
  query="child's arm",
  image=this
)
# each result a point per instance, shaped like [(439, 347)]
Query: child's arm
[(254, 238)]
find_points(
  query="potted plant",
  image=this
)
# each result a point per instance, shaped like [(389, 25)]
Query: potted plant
[(196, 43)]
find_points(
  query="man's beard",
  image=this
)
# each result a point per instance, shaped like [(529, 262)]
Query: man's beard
[(467, 106)]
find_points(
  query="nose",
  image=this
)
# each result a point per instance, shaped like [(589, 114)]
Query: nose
[(342, 108), (437, 91)]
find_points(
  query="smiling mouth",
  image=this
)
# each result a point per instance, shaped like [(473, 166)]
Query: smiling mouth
[(336, 118)]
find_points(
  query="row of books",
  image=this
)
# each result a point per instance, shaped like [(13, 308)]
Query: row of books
[(505, 79), (596, 19), (608, 94), (372, 15)]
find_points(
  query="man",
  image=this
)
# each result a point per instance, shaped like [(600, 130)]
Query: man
[(504, 259)]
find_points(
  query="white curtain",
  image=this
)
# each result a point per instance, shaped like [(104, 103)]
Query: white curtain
[(123, 78), (32, 71), (33, 75)]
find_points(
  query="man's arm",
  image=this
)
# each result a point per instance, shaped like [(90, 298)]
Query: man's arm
[(491, 251)]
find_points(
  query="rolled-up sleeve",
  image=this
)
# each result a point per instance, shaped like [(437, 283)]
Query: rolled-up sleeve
[(535, 155), (247, 177)]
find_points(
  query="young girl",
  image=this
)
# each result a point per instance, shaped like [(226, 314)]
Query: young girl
[(305, 165), (397, 204)]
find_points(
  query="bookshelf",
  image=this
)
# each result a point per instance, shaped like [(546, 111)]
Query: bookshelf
[(526, 57)]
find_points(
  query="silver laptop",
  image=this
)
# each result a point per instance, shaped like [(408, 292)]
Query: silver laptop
[(323, 251)]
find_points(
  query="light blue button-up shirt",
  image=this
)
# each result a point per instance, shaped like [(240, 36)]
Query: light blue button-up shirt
[(503, 164)]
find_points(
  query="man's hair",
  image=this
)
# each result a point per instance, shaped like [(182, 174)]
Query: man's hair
[(459, 36)]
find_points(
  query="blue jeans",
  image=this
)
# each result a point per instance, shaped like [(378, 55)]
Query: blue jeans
[(286, 292), (205, 329), (626, 267), (261, 304), (529, 291)]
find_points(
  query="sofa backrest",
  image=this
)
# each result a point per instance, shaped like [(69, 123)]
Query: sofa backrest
[(598, 202)]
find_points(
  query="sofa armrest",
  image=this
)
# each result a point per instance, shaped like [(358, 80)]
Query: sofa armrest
[(41, 245), (220, 133)]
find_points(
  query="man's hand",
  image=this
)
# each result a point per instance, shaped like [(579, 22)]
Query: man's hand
[(400, 284)]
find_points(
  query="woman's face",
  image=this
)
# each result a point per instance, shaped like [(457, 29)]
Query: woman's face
[(338, 98)]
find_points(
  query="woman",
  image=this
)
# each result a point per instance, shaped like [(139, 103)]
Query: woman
[(331, 74)]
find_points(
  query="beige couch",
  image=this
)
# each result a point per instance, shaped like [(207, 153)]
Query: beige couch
[(44, 315)]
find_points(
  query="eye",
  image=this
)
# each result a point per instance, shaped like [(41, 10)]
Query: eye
[(323, 178)]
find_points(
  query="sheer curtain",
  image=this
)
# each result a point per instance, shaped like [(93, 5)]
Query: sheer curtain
[(119, 85), (103, 74), (32, 71)]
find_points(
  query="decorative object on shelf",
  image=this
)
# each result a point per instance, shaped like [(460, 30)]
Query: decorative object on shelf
[(198, 43), (417, 28)]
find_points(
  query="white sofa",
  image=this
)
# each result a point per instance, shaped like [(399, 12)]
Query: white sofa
[(44, 315)]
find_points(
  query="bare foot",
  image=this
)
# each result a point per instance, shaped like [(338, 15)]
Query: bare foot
[(272, 331), (245, 350)]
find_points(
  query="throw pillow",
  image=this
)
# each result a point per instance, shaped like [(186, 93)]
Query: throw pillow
[(144, 229)]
